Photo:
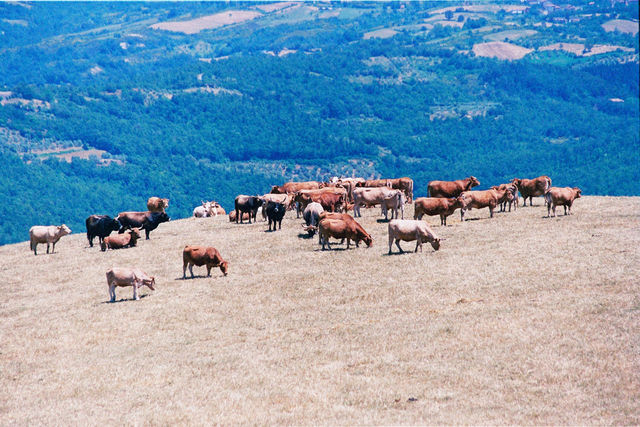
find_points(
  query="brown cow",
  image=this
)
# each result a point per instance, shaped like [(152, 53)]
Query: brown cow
[(294, 187), (156, 204), (482, 199), (119, 241), (513, 189), (557, 196), (405, 185), (342, 229), (408, 230), (437, 206), (233, 214), (332, 199), (374, 183), (121, 276), (202, 255), (532, 187), (451, 188)]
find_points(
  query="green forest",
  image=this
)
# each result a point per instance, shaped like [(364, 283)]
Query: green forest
[(308, 91)]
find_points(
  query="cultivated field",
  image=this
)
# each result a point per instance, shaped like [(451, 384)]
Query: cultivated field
[(518, 319), (500, 50)]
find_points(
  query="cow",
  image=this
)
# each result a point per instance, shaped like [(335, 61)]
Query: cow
[(201, 211), (408, 230), (285, 199), (124, 276), (49, 234), (451, 188), (332, 199), (275, 213), (147, 221), (311, 217), (370, 196), (119, 241), (405, 185), (248, 204), (233, 214), (215, 209), (374, 183), (513, 189), (294, 187), (394, 203), (436, 206), (532, 187), (202, 255), (341, 229), (156, 204), (558, 196), (483, 199), (100, 226)]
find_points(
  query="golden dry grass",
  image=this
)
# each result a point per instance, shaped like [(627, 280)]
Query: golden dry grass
[(209, 22), (518, 319), (500, 50)]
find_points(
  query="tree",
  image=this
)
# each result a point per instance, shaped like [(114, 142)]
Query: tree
[(449, 15)]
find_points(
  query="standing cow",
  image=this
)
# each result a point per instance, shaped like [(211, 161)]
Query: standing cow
[(248, 204), (275, 213), (100, 226), (532, 187), (437, 206), (202, 255), (408, 230), (147, 221), (124, 276), (451, 189), (49, 234), (557, 196)]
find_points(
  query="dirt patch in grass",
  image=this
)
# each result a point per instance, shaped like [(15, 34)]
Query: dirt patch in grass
[(500, 50), (208, 22), (383, 33), (622, 25), (518, 319), (267, 8), (578, 48)]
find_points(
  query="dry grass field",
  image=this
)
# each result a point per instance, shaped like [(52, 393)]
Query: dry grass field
[(518, 319), (500, 50)]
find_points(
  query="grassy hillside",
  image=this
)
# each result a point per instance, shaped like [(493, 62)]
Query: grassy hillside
[(519, 319), (246, 95)]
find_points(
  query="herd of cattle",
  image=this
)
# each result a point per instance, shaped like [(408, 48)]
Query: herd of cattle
[(324, 207)]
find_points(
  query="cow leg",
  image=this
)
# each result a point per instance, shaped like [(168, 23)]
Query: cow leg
[(135, 291), (443, 220), (279, 225), (554, 210), (491, 208), (209, 270), (549, 210), (112, 292), (461, 215), (53, 247), (184, 270), (191, 269), (47, 247), (34, 246), (348, 242), (398, 245), (390, 242), (565, 209)]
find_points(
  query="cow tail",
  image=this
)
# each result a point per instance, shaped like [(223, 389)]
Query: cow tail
[(411, 190)]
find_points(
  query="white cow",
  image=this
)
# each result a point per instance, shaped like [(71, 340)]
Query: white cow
[(124, 276), (47, 234), (408, 230)]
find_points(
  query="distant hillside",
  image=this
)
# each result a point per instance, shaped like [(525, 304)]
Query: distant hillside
[(105, 104)]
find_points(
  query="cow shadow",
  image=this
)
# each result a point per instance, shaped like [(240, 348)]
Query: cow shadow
[(195, 276), (305, 236), (382, 220), (124, 299)]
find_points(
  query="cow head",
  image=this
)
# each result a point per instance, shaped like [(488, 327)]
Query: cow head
[(63, 230), (165, 203), (578, 192), (114, 225), (224, 267), (473, 181), (276, 189), (161, 217), (368, 240), (435, 243), (149, 282), (134, 233), (517, 182)]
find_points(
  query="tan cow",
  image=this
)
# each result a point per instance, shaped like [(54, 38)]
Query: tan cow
[(482, 199), (119, 241), (557, 196), (294, 187), (49, 234), (513, 189), (202, 255), (342, 229), (156, 204), (532, 187), (125, 276), (451, 188), (394, 203), (409, 230), (233, 214), (437, 206), (371, 196)]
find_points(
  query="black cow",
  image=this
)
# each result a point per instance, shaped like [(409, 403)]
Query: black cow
[(100, 226), (147, 221), (248, 204), (275, 213)]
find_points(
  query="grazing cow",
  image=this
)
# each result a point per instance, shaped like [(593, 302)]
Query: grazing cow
[(275, 213), (119, 241), (371, 196), (341, 229), (294, 187), (408, 230), (202, 255), (100, 226), (436, 206), (156, 204), (483, 199), (124, 276), (233, 214), (49, 234), (311, 217), (558, 196), (248, 204), (532, 187), (332, 199), (147, 221), (451, 188), (405, 185)]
